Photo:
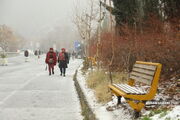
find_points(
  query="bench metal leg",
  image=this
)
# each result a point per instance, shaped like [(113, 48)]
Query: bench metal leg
[(136, 114), (119, 100), (137, 107)]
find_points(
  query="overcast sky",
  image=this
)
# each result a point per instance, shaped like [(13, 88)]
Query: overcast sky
[(31, 17)]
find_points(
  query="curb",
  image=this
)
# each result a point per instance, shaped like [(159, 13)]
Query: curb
[(86, 110)]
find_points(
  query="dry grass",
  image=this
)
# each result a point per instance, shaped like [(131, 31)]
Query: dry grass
[(99, 81), (120, 77)]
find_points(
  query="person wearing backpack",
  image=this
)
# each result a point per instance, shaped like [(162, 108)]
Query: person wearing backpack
[(63, 60), (51, 60)]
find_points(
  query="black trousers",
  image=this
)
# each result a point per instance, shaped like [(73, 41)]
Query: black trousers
[(63, 70)]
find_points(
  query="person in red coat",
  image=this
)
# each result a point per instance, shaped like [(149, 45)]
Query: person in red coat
[(51, 60)]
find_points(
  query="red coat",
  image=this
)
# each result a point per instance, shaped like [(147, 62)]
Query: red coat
[(50, 55)]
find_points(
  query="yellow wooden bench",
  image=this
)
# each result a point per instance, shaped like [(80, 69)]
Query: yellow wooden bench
[(92, 60), (136, 95)]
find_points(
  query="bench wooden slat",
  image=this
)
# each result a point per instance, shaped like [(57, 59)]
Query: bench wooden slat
[(129, 89), (148, 67), (140, 70), (148, 77), (126, 89), (136, 89), (140, 79), (133, 89)]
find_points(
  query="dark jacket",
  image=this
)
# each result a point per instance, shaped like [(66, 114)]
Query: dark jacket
[(63, 62), (26, 53)]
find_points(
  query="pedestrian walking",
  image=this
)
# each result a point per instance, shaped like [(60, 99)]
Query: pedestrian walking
[(63, 60), (36, 53), (26, 55), (73, 55), (39, 53), (51, 60)]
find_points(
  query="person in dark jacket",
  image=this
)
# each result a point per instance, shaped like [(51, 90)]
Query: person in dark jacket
[(63, 60), (26, 54), (51, 60)]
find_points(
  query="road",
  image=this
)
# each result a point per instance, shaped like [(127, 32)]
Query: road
[(27, 92)]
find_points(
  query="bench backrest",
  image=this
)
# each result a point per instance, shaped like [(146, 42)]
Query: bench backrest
[(144, 72)]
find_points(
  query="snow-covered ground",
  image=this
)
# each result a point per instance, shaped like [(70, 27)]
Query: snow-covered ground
[(119, 113), (99, 109), (27, 92), (170, 115)]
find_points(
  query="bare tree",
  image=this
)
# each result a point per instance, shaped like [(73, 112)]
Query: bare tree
[(4, 35), (85, 22), (8, 40)]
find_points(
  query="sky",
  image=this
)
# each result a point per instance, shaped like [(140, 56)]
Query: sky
[(31, 18)]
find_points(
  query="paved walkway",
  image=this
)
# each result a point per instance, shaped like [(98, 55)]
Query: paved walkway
[(27, 92)]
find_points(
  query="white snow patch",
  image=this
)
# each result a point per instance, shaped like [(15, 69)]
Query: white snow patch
[(100, 109), (27, 92), (172, 115)]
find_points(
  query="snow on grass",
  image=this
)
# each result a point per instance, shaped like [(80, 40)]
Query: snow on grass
[(100, 109), (121, 113), (174, 114)]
